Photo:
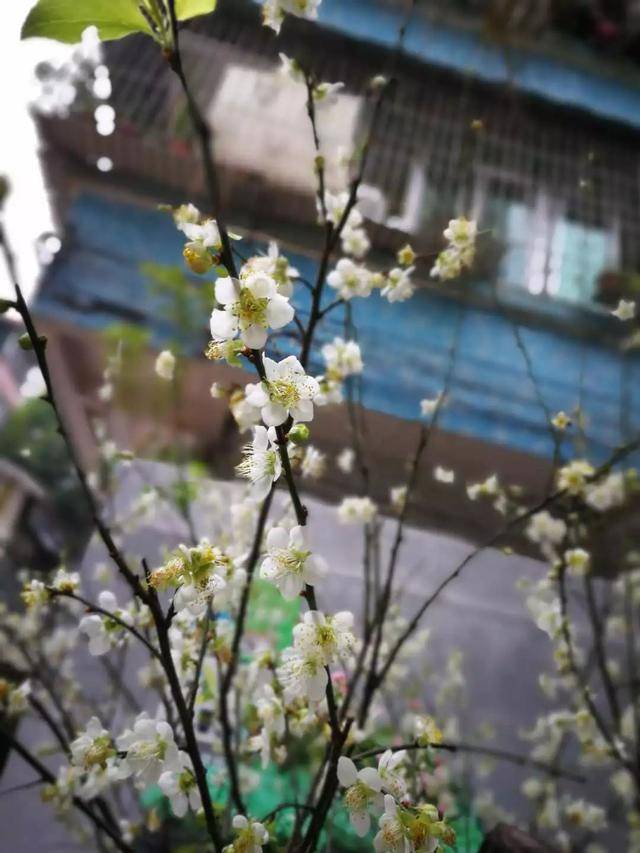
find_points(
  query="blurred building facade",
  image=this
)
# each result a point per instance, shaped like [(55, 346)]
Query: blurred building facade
[(539, 143)]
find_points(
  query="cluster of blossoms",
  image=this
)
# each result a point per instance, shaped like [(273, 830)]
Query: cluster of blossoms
[(147, 752), (403, 828), (199, 574), (202, 250), (459, 254), (318, 641), (353, 236), (351, 279), (342, 359)]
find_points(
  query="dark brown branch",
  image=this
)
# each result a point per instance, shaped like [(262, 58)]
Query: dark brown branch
[(38, 345), (205, 141), (186, 719)]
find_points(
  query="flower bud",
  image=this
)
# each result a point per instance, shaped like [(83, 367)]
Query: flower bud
[(299, 434), (197, 257)]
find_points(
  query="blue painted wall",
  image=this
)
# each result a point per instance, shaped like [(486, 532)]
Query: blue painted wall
[(406, 346), (466, 52)]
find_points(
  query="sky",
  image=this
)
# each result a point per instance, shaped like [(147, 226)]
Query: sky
[(27, 212)]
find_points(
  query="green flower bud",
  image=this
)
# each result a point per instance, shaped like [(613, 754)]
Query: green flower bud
[(299, 434)]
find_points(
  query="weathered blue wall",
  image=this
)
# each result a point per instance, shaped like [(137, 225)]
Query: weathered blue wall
[(465, 51), (406, 346)]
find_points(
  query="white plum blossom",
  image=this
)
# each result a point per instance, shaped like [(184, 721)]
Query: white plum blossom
[(392, 782), (363, 791), (343, 358), (398, 497), (245, 415), (607, 493), (274, 265), (546, 614), (203, 236), (103, 632), (270, 711), (290, 68), (336, 204), (302, 674), (251, 836), (14, 700), (314, 463), (64, 581), (398, 286), (345, 460), (428, 407), (561, 421), (461, 236), (180, 787), (585, 815), (250, 306), (332, 635), (151, 749), (577, 561), (355, 242), (317, 641), (186, 214), (574, 477), (487, 488), (545, 529), (392, 837), (326, 94), (444, 475), (199, 572), (261, 463), (205, 233), (95, 761), (625, 310), (286, 391), (350, 279), (33, 385), (165, 365), (274, 11), (288, 563), (356, 510)]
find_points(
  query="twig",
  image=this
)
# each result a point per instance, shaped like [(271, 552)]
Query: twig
[(490, 752), (95, 608), (225, 686), (617, 456), (47, 776)]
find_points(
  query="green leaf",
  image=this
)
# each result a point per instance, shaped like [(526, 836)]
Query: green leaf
[(65, 20), (191, 8)]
